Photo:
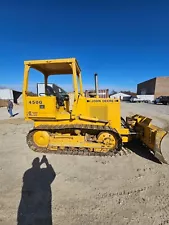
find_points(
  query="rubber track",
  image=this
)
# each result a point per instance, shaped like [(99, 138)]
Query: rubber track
[(77, 151)]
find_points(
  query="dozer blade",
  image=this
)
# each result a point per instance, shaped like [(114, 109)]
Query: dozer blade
[(157, 148), (149, 134)]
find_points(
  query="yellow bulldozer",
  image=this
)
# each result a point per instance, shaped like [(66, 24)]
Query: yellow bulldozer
[(76, 124)]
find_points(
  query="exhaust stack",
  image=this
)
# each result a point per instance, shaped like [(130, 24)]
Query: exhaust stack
[(96, 85)]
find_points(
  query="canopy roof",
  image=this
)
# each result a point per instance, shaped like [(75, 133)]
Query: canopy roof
[(54, 66)]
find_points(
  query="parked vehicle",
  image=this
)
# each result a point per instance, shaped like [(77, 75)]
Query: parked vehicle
[(162, 99), (135, 99)]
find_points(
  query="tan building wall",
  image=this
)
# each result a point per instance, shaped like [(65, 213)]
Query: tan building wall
[(162, 86)]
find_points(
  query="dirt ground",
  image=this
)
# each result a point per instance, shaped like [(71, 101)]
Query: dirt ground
[(73, 190)]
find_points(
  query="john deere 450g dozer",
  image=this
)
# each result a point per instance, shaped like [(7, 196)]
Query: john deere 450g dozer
[(80, 125)]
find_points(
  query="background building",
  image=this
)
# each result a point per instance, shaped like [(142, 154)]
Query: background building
[(153, 88), (13, 95), (103, 93), (122, 96)]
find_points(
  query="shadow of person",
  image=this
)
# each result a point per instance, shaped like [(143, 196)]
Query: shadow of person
[(35, 204), (15, 114)]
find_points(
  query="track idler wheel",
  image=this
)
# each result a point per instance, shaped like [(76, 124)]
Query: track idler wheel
[(41, 138), (38, 139)]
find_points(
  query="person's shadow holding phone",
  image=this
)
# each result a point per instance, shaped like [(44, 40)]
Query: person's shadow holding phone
[(35, 205)]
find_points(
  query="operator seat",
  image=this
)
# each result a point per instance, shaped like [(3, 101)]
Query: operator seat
[(51, 92)]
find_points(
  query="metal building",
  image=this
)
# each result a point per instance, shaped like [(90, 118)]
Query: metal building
[(153, 88), (120, 95), (13, 95)]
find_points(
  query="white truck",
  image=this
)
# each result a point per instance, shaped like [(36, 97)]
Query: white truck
[(135, 99)]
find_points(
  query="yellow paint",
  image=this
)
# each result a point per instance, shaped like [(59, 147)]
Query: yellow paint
[(41, 138), (44, 110), (75, 141), (149, 134)]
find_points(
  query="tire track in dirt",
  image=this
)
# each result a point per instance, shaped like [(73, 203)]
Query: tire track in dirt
[(130, 198)]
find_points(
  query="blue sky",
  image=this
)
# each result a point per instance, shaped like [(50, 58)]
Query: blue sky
[(124, 41)]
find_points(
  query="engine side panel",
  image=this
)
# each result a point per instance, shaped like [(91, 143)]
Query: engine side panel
[(101, 108)]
